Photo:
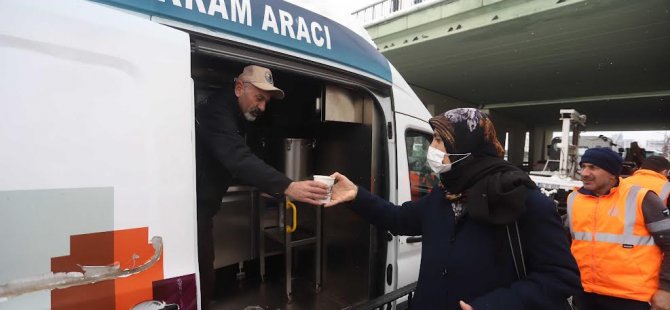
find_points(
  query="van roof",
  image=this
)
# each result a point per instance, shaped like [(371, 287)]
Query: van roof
[(276, 23)]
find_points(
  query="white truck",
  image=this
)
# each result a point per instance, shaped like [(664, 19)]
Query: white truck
[(570, 147), (97, 168), (565, 178)]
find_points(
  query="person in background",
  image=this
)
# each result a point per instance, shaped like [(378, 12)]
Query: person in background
[(653, 174), (621, 238), (222, 154), (466, 256), (635, 154)]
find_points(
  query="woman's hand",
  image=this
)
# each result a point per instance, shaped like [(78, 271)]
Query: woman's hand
[(343, 190), (465, 306)]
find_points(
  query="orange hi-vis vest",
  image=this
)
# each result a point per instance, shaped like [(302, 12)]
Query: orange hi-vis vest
[(615, 252), (652, 180)]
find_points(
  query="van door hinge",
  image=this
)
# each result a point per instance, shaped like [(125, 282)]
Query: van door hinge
[(389, 274), (389, 130)]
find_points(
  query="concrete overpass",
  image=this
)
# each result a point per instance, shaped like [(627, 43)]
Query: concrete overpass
[(525, 60)]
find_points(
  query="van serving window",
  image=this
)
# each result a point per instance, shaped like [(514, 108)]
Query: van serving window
[(277, 23), (250, 54)]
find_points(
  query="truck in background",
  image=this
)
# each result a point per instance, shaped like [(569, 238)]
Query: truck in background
[(559, 175), (564, 152)]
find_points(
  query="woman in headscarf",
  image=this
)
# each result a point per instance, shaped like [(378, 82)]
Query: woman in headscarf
[(466, 260)]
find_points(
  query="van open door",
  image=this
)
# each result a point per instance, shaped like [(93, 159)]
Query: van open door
[(415, 180), (96, 128)]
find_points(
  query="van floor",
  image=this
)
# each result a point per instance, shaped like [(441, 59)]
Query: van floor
[(237, 294)]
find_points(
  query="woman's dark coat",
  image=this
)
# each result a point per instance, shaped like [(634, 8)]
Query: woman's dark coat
[(472, 261)]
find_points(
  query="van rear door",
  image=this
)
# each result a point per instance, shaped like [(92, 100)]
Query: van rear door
[(96, 128)]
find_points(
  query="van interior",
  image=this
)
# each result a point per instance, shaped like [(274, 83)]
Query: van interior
[(325, 123)]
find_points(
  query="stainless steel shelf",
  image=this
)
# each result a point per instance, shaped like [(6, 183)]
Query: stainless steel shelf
[(301, 237)]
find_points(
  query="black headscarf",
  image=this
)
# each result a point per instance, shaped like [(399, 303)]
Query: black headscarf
[(492, 189)]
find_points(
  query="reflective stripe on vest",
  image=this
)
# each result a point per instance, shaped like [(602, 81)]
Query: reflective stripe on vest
[(571, 200), (627, 238), (665, 192), (659, 226), (614, 238)]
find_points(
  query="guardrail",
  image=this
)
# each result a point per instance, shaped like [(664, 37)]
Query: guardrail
[(386, 301), (386, 8)]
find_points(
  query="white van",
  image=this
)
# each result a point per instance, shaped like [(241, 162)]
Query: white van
[(97, 165)]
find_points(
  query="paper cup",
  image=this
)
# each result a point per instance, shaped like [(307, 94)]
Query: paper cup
[(328, 181)]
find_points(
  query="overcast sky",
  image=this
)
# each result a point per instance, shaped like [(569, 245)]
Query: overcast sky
[(346, 6), (339, 6)]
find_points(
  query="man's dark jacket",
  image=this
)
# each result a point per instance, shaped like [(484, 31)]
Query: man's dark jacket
[(472, 261), (223, 155)]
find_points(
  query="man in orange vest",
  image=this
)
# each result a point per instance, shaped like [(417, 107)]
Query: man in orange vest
[(653, 174), (620, 238)]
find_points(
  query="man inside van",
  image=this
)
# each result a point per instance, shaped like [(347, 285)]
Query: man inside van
[(222, 154)]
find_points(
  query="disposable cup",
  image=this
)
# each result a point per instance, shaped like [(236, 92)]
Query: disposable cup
[(328, 181)]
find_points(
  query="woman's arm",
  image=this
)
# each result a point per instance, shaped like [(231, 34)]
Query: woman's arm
[(399, 220)]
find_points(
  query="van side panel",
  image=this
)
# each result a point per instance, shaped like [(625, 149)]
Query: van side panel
[(405, 101), (96, 128), (278, 23)]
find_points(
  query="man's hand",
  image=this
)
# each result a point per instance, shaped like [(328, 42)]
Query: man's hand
[(307, 191), (343, 190), (660, 300), (465, 306)]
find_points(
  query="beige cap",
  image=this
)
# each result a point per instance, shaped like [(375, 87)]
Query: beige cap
[(261, 77)]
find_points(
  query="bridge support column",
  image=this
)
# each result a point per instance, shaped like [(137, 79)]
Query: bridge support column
[(538, 142), (516, 135), (515, 151)]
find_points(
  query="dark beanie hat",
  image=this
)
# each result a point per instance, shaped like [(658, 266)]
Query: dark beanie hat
[(604, 158)]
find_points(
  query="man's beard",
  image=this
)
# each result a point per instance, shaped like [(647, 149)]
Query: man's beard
[(252, 115)]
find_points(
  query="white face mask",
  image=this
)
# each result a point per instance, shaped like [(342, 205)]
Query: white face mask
[(435, 158)]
